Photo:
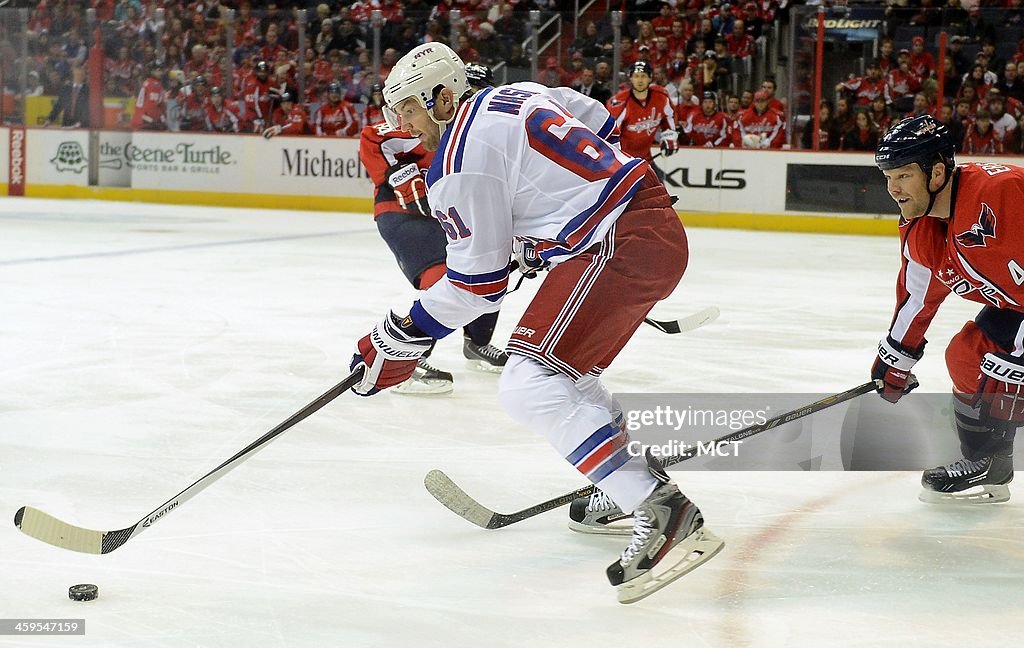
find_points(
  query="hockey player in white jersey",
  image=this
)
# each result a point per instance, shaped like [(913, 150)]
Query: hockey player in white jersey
[(529, 164)]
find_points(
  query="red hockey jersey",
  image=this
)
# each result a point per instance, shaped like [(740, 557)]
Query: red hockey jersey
[(643, 124), (381, 148), (337, 120), (976, 253)]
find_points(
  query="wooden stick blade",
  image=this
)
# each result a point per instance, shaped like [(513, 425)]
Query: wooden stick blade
[(45, 527), (456, 500)]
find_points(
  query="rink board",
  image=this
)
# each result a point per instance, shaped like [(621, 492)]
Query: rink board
[(731, 188)]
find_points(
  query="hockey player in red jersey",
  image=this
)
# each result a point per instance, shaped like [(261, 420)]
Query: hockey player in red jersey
[(289, 118), (397, 163), (762, 126), (193, 105), (962, 232), (644, 116), (257, 100), (709, 127), (336, 117), (220, 117), (151, 103)]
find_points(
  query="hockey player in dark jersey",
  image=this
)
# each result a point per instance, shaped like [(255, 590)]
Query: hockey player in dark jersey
[(961, 231)]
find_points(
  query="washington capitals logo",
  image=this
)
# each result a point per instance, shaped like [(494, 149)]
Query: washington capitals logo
[(984, 228)]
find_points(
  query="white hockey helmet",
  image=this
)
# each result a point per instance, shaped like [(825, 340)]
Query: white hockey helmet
[(418, 74)]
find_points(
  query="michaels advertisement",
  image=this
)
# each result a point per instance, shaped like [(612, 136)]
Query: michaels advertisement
[(246, 164)]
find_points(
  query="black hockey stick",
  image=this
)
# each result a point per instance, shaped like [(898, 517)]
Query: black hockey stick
[(47, 528), (459, 502), (688, 323)]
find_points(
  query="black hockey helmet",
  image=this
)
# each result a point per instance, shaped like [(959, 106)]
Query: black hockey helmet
[(641, 66), (215, 91), (286, 96), (334, 88), (924, 140), (263, 66), (478, 75), (199, 80)]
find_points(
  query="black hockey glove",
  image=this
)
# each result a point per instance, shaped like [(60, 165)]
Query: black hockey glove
[(892, 367)]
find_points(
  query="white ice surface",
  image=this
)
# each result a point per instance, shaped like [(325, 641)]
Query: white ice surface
[(141, 345)]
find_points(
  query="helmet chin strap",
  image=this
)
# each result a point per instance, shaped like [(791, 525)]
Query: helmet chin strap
[(442, 125), (932, 195)]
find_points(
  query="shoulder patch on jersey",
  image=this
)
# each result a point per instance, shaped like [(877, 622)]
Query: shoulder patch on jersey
[(980, 231)]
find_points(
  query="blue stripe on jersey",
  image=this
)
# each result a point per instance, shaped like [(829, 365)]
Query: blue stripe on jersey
[(436, 169), (477, 102), (580, 219), (609, 465), (607, 128), (426, 323), (597, 438), (484, 277)]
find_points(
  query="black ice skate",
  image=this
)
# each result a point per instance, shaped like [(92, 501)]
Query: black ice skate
[(598, 514), (973, 482), (426, 380), (485, 357), (669, 541)]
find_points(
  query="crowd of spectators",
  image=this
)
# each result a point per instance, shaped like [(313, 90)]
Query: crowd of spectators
[(170, 56), (981, 97)]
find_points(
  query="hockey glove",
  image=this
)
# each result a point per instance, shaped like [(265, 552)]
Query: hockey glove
[(390, 353), (410, 187), (892, 367), (271, 132), (669, 143), (1001, 391), (529, 262)]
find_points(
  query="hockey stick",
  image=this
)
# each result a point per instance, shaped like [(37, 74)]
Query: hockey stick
[(697, 320), (47, 528), (448, 493)]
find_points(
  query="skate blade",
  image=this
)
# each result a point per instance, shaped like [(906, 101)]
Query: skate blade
[(484, 366), (987, 494), (604, 529), (424, 388), (695, 551)]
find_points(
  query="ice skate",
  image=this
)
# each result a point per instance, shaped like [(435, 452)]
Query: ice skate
[(972, 482), (600, 515), (484, 357), (426, 380), (669, 541)]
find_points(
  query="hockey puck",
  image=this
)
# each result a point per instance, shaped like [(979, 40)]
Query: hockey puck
[(84, 592)]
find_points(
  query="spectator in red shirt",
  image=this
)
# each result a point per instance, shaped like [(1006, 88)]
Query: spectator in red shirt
[(981, 138), (739, 42), (921, 62)]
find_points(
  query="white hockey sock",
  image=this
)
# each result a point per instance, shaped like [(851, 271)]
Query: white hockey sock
[(580, 427)]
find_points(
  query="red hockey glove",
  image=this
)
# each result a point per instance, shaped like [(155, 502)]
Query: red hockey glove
[(892, 367), (389, 353), (410, 187), (669, 143), (1001, 391)]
